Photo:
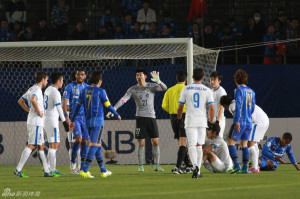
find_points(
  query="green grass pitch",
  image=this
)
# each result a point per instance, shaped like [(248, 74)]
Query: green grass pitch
[(126, 182)]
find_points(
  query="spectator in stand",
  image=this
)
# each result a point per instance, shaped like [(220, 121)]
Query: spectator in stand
[(282, 18), (145, 17), (5, 33), (227, 41), (109, 17), (101, 33), (199, 22), (270, 56), (236, 30), (132, 7), (118, 33), (137, 34), (166, 32), (209, 39), (16, 11), (168, 20), (278, 29), (59, 20), (153, 33), (27, 34), (80, 33), (128, 25), (259, 25), (42, 32), (110, 30), (195, 34), (17, 31), (293, 47)]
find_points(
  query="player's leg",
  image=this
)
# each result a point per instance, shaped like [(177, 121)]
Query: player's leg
[(152, 130), (84, 143), (200, 141), (233, 136), (253, 156), (52, 136), (245, 131), (78, 139), (140, 134), (191, 135)]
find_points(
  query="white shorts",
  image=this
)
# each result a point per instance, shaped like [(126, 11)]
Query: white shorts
[(258, 132), (195, 135), (35, 134), (71, 137), (52, 133), (217, 166)]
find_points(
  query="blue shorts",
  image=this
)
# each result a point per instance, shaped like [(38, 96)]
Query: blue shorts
[(80, 128), (244, 133), (264, 162), (96, 134)]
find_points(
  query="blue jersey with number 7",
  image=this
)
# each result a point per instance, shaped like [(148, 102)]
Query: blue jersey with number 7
[(244, 105)]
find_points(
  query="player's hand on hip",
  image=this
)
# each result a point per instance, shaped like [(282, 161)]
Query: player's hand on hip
[(237, 126), (66, 126), (155, 77), (119, 117), (41, 114), (67, 119), (109, 115), (72, 126)]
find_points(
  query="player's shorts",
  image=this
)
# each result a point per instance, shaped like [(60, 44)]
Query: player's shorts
[(217, 167), (71, 137), (146, 126), (80, 128), (195, 135), (178, 132), (264, 164), (244, 133), (53, 135), (258, 132), (35, 134), (96, 134)]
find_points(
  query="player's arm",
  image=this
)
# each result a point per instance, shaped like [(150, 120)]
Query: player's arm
[(57, 103), (66, 97), (211, 107), (120, 103), (165, 102), (182, 100), (35, 105), (107, 104), (155, 78), (76, 111), (22, 103), (292, 157), (266, 149), (208, 148), (220, 113), (238, 104)]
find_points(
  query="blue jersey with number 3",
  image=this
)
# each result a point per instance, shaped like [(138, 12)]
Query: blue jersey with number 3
[(244, 105)]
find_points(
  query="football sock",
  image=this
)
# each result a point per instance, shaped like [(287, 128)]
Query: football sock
[(89, 158), (257, 149), (70, 154), (180, 156), (52, 158), (199, 157), (156, 154), (44, 161), (141, 155), (78, 159), (186, 159), (234, 155), (100, 159), (245, 156), (83, 154), (253, 157), (24, 157), (75, 148), (193, 155)]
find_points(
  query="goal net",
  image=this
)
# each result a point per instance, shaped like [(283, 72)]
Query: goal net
[(118, 60)]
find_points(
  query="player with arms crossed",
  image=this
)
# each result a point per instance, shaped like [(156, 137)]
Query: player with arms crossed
[(274, 150), (216, 156), (34, 98), (53, 110), (260, 125), (80, 132), (143, 95), (218, 92), (196, 96), (242, 121), (93, 98)]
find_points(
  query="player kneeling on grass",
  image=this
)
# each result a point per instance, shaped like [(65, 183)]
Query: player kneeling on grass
[(216, 156), (93, 98), (274, 150)]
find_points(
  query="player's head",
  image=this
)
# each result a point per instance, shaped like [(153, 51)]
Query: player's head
[(225, 101), (181, 76), (286, 139), (198, 74), (241, 77), (141, 75), (57, 78), (73, 76), (95, 77), (213, 131), (41, 77), (80, 76), (215, 79)]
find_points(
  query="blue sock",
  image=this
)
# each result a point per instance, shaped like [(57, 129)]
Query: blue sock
[(75, 148), (245, 156), (89, 158), (100, 160), (263, 163), (234, 155), (83, 154)]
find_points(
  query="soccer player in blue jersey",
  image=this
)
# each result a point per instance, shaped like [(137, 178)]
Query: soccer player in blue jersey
[(93, 98), (80, 132), (242, 121), (274, 150)]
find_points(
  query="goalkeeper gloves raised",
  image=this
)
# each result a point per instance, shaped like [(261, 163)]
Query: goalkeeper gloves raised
[(155, 77)]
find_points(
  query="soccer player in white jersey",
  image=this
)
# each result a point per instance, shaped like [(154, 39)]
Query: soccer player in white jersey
[(34, 98), (260, 125), (216, 155), (196, 96), (218, 92), (53, 110)]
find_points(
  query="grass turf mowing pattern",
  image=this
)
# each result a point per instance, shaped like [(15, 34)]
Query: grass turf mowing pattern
[(127, 182)]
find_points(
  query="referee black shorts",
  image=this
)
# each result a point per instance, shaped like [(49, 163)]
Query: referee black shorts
[(178, 132), (146, 126)]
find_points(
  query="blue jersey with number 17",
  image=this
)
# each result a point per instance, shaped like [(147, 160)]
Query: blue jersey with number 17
[(244, 105)]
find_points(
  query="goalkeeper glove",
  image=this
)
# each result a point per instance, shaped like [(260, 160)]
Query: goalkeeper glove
[(66, 126), (155, 77)]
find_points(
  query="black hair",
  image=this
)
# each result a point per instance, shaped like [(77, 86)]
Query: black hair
[(73, 76), (287, 136), (55, 76), (181, 76), (95, 77), (226, 100), (80, 70), (39, 76), (198, 74), (216, 74), (141, 70), (214, 128)]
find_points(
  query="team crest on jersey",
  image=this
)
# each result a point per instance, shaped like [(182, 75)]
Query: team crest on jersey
[(269, 144), (137, 131), (147, 95), (75, 91), (65, 93)]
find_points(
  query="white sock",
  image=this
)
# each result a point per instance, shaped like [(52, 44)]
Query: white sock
[(48, 158), (78, 159), (257, 149), (193, 155), (199, 157), (253, 157), (44, 161), (52, 157), (24, 157), (70, 154)]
